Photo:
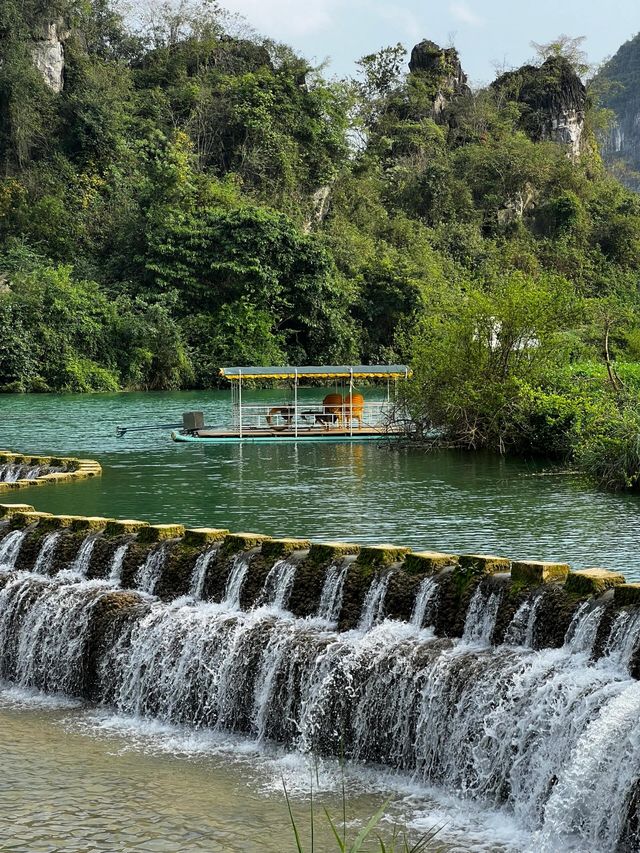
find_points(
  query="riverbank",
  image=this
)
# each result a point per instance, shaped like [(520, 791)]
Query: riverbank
[(452, 501)]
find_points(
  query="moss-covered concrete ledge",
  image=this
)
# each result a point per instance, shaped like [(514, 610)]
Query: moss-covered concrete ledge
[(19, 470), (458, 576)]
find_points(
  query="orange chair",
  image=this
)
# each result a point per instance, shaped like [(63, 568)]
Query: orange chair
[(332, 409), (354, 405)]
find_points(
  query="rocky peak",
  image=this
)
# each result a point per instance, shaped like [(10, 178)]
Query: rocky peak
[(47, 50), (554, 101), (616, 85), (441, 68)]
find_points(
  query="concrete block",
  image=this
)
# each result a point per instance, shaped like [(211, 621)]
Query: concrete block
[(120, 527), (327, 552), (200, 536), (428, 562), (535, 572), (483, 564), (381, 556), (160, 532), (593, 581), (276, 549)]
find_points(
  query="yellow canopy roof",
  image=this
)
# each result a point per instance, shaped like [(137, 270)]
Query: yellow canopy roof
[(357, 371)]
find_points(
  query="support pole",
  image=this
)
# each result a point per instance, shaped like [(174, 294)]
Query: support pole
[(240, 402), (350, 409), (295, 403)]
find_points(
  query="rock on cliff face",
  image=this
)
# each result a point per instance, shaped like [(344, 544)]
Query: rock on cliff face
[(48, 55), (554, 101), (618, 86), (442, 69)]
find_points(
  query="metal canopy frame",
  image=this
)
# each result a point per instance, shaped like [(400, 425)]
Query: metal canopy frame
[(356, 371)]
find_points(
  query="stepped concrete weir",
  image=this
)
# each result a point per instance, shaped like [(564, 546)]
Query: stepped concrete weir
[(512, 683), (18, 471)]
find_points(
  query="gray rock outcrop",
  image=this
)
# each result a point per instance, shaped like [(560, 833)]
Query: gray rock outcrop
[(48, 55), (441, 70)]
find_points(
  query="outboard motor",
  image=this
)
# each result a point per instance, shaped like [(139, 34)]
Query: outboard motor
[(192, 421)]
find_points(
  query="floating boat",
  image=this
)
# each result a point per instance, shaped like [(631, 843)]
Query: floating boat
[(344, 415)]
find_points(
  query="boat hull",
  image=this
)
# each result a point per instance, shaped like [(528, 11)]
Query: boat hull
[(236, 438)]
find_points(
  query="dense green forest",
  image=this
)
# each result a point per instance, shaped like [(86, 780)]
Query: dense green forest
[(191, 198)]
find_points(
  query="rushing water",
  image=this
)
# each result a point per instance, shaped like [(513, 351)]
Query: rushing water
[(548, 737), (447, 501), (202, 707)]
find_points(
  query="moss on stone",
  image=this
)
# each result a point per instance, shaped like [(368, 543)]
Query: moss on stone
[(381, 556), (24, 519), (483, 564), (57, 522), (91, 522), (428, 562), (536, 572), (276, 549), (7, 510), (197, 537), (235, 542), (327, 552), (628, 593), (160, 532), (126, 526), (592, 581)]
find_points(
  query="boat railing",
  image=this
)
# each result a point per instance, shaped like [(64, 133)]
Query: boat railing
[(310, 415)]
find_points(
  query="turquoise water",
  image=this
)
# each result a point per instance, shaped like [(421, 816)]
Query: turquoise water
[(363, 493)]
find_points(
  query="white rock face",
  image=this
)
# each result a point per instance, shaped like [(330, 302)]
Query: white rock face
[(48, 57), (567, 129)]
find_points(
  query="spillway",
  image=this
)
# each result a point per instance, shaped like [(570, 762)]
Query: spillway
[(517, 696)]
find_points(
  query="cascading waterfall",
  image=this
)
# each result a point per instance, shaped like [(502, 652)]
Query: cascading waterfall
[(623, 639), (332, 592), (80, 566), (481, 617), (373, 606), (520, 630), (150, 571), (199, 574), (10, 472), (44, 560), (278, 585), (427, 594), (44, 647), (115, 573), (583, 630), (237, 575), (10, 548), (551, 736)]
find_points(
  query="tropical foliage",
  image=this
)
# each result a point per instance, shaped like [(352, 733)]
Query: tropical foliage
[(193, 197)]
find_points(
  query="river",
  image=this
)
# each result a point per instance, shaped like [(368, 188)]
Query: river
[(82, 778), (444, 501)]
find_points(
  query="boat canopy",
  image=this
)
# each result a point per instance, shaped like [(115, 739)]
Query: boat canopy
[(357, 371)]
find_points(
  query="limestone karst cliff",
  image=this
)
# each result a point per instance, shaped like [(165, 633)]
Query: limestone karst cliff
[(48, 54), (442, 68), (617, 86), (553, 101)]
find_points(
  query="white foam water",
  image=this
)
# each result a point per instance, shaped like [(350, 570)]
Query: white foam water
[(426, 596), (44, 560), (332, 592), (237, 575), (199, 573), (278, 585), (481, 617), (520, 630), (82, 561), (373, 605), (150, 571), (549, 737), (115, 573), (10, 548)]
